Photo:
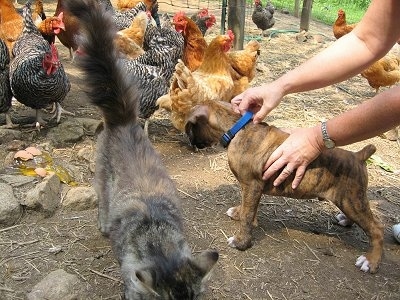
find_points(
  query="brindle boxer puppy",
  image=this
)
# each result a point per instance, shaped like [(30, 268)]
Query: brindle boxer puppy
[(337, 175)]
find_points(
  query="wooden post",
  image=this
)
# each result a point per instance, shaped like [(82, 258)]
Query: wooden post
[(236, 19), (305, 15)]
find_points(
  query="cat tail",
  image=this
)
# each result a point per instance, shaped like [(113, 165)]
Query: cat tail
[(107, 84)]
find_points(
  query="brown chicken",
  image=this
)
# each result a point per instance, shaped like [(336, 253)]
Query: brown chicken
[(211, 81), (68, 37), (50, 27), (194, 45), (129, 41), (11, 23), (384, 72), (340, 27), (243, 66)]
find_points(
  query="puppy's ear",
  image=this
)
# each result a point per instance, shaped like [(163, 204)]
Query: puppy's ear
[(198, 112), (198, 129)]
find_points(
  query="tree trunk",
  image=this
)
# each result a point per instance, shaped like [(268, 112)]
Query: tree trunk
[(236, 19), (305, 15)]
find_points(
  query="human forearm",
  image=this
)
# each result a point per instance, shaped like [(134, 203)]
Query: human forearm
[(367, 120)]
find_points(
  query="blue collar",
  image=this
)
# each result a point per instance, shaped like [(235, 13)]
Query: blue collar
[(230, 134)]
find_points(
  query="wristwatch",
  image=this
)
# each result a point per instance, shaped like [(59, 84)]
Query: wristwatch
[(329, 143)]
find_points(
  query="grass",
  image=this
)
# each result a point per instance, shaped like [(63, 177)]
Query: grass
[(325, 11)]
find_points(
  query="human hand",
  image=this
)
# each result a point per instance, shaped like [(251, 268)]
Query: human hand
[(260, 100), (301, 147)]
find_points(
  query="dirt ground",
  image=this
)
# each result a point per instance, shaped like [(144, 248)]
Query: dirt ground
[(299, 252)]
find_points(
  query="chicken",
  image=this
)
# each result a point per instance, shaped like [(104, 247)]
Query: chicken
[(194, 45), (212, 81), (163, 47), (340, 27), (123, 19), (11, 23), (384, 72), (37, 77), (51, 26), (38, 13), (5, 89), (130, 40), (243, 63), (203, 20), (263, 17), (152, 6), (69, 36)]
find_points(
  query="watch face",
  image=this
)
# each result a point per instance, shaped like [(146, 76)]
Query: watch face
[(329, 144)]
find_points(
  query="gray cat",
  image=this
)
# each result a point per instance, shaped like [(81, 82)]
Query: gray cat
[(139, 209)]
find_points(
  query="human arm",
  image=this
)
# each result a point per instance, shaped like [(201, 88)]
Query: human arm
[(367, 120), (375, 34)]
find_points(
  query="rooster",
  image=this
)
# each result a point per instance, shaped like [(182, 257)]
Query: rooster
[(194, 45), (203, 20), (211, 81), (340, 27), (263, 17), (37, 77), (5, 89)]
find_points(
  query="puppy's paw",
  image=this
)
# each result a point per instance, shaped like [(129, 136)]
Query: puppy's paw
[(239, 244), (234, 213), (363, 263), (343, 220)]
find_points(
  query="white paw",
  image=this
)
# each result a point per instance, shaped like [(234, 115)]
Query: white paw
[(362, 263), (230, 212), (231, 242), (343, 220)]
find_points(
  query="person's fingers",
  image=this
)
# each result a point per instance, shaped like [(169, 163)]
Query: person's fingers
[(298, 177), (273, 164)]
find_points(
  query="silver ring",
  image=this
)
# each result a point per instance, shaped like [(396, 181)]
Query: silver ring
[(288, 170)]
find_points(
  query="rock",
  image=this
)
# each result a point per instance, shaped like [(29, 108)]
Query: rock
[(90, 126), (58, 285), (86, 154), (10, 210), (80, 198), (17, 180), (45, 196), (70, 131), (8, 135)]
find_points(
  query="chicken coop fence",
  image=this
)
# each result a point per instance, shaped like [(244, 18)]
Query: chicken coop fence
[(218, 8)]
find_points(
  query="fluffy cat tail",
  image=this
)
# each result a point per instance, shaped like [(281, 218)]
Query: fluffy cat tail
[(108, 85)]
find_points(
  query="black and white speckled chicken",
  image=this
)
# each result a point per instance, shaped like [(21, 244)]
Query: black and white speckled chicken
[(163, 47), (5, 89), (263, 17), (203, 20), (154, 69), (37, 77), (123, 19)]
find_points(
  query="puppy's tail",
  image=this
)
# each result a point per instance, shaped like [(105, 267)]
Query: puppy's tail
[(366, 152), (109, 87)]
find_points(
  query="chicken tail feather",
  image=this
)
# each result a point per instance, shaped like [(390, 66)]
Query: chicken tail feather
[(109, 86)]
